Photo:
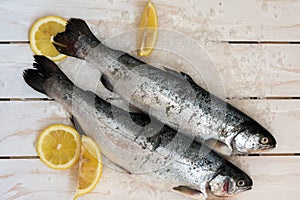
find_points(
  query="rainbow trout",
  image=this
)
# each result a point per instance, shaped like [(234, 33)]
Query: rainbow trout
[(171, 97), (141, 145)]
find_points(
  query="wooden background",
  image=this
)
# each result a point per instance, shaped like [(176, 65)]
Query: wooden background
[(261, 77)]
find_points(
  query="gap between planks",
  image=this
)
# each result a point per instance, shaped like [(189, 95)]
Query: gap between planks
[(229, 42), (238, 156), (18, 157), (26, 99), (14, 42)]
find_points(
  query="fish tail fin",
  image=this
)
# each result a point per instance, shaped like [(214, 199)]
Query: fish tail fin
[(36, 77), (76, 40), (34, 80)]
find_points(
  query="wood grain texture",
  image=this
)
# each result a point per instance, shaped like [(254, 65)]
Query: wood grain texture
[(23, 122), (274, 177), (246, 70), (258, 70), (25, 119), (215, 20), (280, 117), (30, 179)]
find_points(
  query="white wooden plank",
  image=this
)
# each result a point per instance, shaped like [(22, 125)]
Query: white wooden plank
[(30, 179), (240, 70), (14, 59), (24, 120), (222, 20), (258, 70), (12, 84), (280, 117), (246, 70), (274, 178)]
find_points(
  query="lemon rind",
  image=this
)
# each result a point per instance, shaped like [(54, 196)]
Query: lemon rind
[(80, 192), (44, 134), (150, 48), (34, 29)]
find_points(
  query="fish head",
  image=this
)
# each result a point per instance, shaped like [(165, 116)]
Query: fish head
[(229, 181), (252, 138)]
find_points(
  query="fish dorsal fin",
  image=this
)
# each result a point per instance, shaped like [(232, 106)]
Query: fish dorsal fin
[(172, 72), (186, 190), (180, 74), (188, 78)]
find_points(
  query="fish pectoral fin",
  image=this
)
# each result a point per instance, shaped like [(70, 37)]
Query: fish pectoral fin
[(112, 165), (219, 147), (186, 190), (106, 83), (106, 161), (120, 103), (115, 99)]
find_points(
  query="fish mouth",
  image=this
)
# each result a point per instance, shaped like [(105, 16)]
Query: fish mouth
[(271, 146), (265, 148), (246, 188), (226, 186)]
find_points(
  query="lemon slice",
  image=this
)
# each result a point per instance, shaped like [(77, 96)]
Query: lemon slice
[(147, 33), (90, 166), (58, 146), (41, 36)]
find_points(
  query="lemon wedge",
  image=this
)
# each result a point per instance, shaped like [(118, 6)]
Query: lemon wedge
[(90, 166), (41, 36), (147, 33), (58, 146)]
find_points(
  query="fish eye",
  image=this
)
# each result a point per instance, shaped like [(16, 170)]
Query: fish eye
[(240, 183), (264, 140)]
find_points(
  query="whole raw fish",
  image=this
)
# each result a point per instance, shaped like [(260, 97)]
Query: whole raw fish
[(171, 97), (167, 158)]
